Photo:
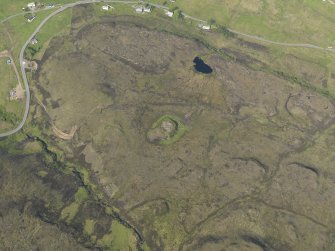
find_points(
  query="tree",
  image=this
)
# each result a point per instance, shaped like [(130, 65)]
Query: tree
[(180, 14), (28, 15), (225, 31), (7, 116), (32, 50), (212, 21)]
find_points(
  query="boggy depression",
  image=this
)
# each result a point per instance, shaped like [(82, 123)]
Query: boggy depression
[(227, 181)]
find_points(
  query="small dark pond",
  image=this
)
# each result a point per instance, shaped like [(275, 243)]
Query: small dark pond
[(200, 66)]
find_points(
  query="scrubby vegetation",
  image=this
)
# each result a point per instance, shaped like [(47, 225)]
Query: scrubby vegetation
[(8, 116)]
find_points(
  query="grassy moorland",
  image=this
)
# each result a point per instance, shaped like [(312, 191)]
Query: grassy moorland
[(261, 122), (255, 117)]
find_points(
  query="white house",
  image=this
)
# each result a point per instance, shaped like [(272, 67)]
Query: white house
[(169, 13), (31, 5), (147, 9), (139, 10), (34, 41), (142, 9), (106, 7), (206, 27)]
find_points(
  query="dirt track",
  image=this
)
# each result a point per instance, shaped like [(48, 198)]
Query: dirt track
[(7, 54), (59, 133), (63, 135)]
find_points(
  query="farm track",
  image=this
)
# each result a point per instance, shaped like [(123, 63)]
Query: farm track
[(7, 54)]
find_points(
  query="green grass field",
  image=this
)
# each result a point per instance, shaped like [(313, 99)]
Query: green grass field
[(8, 82), (10, 7), (120, 238), (57, 25), (307, 21), (15, 32)]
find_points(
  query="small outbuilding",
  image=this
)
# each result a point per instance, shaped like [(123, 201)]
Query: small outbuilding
[(206, 27), (106, 7), (12, 94), (142, 9), (31, 18), (169, 13), (147, 9), (139, 10), (34, 40), (31, 6)]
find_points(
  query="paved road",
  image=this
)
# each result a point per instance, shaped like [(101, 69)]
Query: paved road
[(254, 37), (21, 58), (66, 6), (25, 12), (309, 46)]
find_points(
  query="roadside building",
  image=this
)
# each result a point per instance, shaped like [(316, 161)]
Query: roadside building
[(31, 18), (31, 6), (204, 26), (147, 9), (139, 10), (12, 94), (8, 61), (34, 41), (16, 93), (106, 7), (142, 9), (169, 13)]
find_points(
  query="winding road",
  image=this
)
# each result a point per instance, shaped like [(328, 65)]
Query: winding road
[(70, 5), (308, 46), (21, 57)]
